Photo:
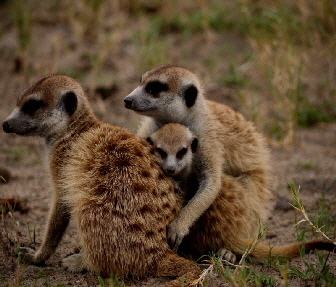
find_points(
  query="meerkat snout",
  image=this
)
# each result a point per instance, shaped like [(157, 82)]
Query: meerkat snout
[(44, 114)]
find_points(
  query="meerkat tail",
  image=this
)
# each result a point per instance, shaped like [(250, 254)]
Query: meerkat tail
[(174, 265), (289, 251)]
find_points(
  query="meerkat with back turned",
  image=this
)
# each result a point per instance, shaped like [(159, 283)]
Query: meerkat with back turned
[(107, 179), (229, 144), (223, 227)]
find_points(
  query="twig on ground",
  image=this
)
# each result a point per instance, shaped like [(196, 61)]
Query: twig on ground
[(250, 248), (205, 272)]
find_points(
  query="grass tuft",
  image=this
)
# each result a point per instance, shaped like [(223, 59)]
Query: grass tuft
[(298, 206)]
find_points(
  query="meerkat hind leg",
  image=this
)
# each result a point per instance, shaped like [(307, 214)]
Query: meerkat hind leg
[(227, 255), (173, 265), (74, 263)]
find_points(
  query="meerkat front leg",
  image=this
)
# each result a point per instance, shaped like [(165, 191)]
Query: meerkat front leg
[(198, 169), (58, 221), (207, 193)]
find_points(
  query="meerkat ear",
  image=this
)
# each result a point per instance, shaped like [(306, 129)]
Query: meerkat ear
[(190, 95), (70, 102), (194, 144), (149, 140)]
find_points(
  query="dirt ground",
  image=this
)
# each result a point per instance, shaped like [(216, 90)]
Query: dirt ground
[(310, 163)]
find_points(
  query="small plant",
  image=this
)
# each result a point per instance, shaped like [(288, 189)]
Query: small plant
[(241, 274), (261, 280), (21, 12), (101, 282), (41, 275), (113, 281), (307, 164), (284, 274), (9, 231), (32, 233), (250, 248), (324, 216), (274, 261), (318, 271), (298, 206)]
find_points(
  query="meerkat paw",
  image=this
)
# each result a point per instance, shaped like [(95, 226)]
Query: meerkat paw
[(176, 233), (30, 255), (74, 263), (27, 254), (227, 255)]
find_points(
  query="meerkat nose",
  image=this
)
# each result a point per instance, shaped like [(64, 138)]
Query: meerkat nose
[(171, 171), (128, 103), (6, 127)]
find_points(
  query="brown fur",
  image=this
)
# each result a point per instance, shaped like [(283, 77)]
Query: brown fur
[(243, 199), (229, 145), (109, 181), (227, 224)]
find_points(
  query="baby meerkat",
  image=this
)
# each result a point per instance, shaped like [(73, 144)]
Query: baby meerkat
[(107, 179), (229, 144), (174, 146), (223, 227)]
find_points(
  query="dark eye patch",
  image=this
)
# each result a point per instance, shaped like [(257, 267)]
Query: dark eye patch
[(181, 153), (156, 87), (31, 107), (162, 153)]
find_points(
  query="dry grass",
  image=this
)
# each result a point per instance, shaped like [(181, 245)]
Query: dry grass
[(284, 76)]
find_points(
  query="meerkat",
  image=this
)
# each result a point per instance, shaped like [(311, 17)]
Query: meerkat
[(227, 221), (174, 146), (107, 179), (229, 144)]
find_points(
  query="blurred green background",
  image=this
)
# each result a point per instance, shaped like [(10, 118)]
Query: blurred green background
[(275, 61)]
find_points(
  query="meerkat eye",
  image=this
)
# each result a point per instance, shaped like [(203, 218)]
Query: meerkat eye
[(181, 153), (156, 87), (31, 107), (162, 153)]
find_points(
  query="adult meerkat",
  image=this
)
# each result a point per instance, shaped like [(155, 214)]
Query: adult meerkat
[(228, 220), (229, 144), (107, 179)]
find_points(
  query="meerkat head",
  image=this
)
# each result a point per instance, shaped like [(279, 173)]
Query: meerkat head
[(174, 145), (165, 93), (45, 108)]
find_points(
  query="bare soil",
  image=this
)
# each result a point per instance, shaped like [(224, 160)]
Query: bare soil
[(310, 163)]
